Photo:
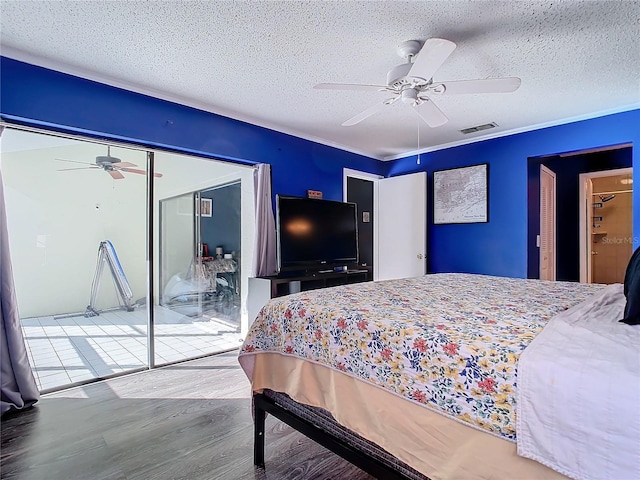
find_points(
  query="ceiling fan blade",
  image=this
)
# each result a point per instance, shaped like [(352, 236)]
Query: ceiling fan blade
[(124, 164), (77, 168), (116, 175), (348, 86), (368, 112), (487, 85), (138, 171), (73, 161), (430, 113), (431, 57)]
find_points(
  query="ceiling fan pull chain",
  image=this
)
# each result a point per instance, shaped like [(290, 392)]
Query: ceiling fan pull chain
[(418, 161)]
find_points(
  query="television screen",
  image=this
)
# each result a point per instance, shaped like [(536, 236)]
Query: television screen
[(315, 234)]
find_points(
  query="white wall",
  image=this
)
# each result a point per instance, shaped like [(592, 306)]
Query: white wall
[(57, 219)]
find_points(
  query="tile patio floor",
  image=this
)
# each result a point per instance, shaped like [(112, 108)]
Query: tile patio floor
[(75, 349)]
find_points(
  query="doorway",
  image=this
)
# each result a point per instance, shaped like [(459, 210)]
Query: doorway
[(360, 192), (359, 188), (606, 225), (200, 249), (567, 166), (399, 205)]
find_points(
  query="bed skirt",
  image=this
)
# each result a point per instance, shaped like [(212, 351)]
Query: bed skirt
[(428, 442)]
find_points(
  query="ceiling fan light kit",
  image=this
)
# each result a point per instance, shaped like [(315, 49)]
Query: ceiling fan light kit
[(409, 96), (412, 82)]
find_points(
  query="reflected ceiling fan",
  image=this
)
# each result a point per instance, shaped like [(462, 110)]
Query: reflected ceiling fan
[(413, 84), (112, 165)]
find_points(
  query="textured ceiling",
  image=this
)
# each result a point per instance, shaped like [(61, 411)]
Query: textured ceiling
[(258, 61)]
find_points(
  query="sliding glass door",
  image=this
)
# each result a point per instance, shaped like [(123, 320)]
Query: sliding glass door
[(77, 224), (202, 261)]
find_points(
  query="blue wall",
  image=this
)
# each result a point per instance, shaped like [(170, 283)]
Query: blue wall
[(223, 227), (41, 97), (499, 247)]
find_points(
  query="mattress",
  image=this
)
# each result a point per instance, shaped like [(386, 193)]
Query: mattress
[(444, 347)]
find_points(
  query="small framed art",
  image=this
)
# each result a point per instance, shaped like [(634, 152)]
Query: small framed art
[(205, 207)]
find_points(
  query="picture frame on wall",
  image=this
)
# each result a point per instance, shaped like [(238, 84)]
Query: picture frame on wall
[(461, 195), (205, 207)]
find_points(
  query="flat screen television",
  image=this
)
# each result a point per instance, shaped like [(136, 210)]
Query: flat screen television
[(315, 235)]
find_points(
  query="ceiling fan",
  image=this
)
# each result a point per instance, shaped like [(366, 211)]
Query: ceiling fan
[(112, 165), (413, 84)]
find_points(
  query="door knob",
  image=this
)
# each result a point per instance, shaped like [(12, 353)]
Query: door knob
[(419, 256)]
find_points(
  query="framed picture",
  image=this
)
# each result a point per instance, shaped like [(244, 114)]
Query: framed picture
[(461, 195), (205, 207)]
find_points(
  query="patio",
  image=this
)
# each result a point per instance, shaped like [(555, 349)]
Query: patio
[(67, 350)]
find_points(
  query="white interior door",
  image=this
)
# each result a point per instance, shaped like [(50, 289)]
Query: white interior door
[(401, 227), (547, 224)]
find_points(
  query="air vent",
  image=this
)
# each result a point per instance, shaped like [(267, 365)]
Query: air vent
[(479, 128)]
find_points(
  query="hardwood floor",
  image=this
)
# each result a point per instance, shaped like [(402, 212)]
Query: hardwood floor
[(186, 421)]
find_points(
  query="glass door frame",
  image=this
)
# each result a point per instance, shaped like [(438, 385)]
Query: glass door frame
[(152, 224)]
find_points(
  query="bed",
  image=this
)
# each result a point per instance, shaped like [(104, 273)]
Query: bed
[(422, 377)]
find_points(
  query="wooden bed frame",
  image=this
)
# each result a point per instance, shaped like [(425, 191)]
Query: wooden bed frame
[(346, 445)]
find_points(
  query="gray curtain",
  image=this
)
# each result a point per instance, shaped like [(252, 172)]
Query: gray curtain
[(19, 389), (264, 256)]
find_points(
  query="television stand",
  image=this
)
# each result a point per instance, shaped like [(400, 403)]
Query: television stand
[(262, 289)]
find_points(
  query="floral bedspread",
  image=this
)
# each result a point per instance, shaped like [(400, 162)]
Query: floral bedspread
[(450, 342)]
